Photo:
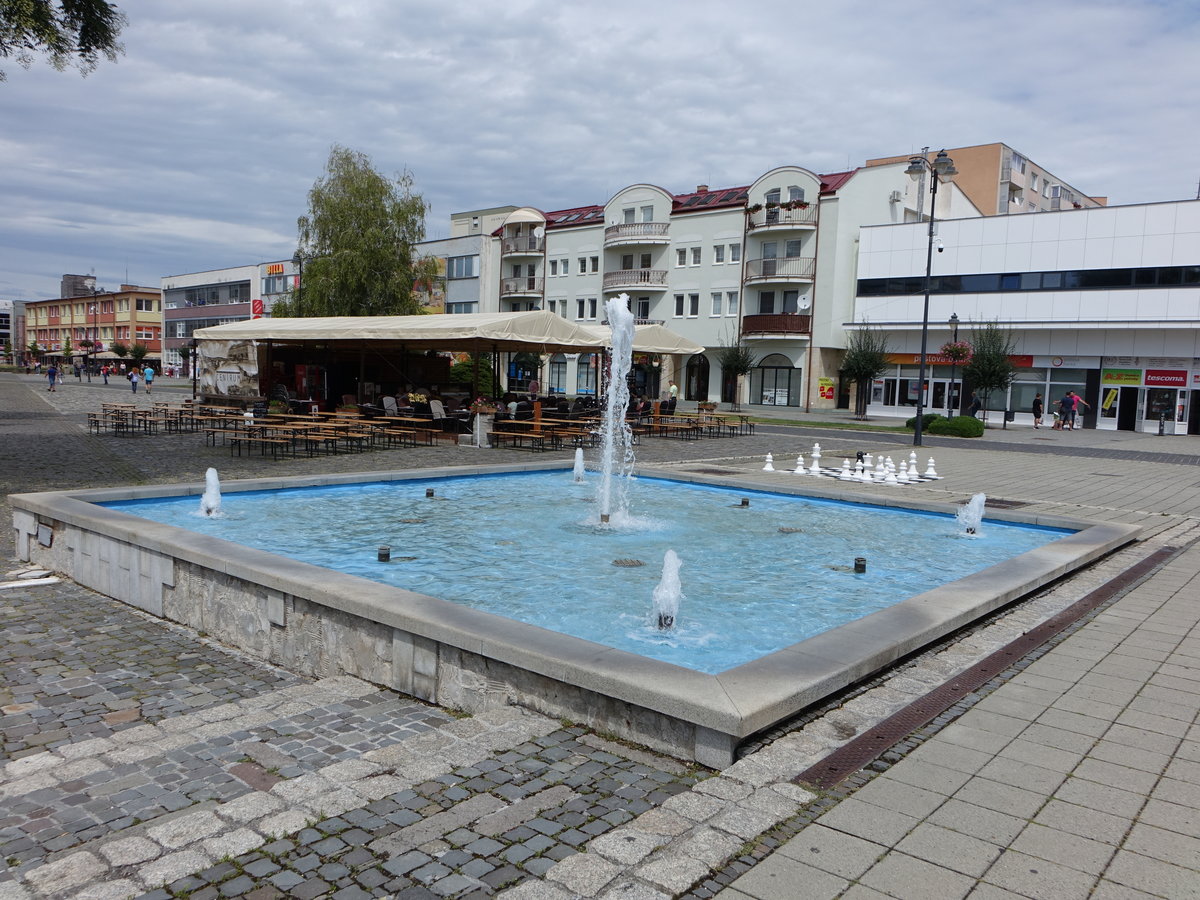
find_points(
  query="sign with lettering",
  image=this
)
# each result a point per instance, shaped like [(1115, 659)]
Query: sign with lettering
[(1129, 377), (1166, 378), (825, 388), (275, 269)]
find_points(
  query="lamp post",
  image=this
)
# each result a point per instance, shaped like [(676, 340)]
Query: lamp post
[(94, 310), (195, 353), (298, 261), (953, 364), (942, 168)]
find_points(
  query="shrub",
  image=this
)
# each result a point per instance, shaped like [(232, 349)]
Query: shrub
[(926, 419), (959, 426)]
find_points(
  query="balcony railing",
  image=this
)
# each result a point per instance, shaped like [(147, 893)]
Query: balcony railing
[(636, 233), (525, 245), (788, 268), (778, 217), (524, 286), (635, 278), (777, 323)]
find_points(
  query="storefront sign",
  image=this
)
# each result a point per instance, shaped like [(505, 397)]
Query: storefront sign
[(1166, 378), (1129, 377), (275, 269), (256, 308), (936, 359), (825, 388)]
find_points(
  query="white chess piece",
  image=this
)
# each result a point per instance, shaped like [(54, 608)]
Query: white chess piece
[(929, 470), (799, 470), (770, 466)]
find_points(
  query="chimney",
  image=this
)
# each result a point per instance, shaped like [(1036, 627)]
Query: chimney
[(702, 189)]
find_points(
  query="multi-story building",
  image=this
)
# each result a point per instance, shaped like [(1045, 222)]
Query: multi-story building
[(1102, 301), (6, 331), (770, 265), (999, 180), (200, 299), (129, 315)]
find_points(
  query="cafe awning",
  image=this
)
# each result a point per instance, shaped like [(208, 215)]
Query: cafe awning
[(650, 339)]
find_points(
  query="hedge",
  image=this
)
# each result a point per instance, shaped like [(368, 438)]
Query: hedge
[(910, 424), (959, 426)]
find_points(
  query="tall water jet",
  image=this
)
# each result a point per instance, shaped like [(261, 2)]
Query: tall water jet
[(616, 454), (970, 514), (578, 472), (210, 500), (667, 592)]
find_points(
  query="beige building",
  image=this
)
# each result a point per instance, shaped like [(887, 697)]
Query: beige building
[(1000, 181), (130, 315)]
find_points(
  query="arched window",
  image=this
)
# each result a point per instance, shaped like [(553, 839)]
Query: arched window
[(697, 378), (585, 374), (775, 382)]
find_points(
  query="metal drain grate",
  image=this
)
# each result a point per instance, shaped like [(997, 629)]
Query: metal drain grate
[(848, 759), (714, 471), (1006, 504)]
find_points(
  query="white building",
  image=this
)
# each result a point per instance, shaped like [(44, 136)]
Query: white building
[(1104, 301)]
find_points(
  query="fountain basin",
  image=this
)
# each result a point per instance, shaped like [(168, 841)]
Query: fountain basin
[(320, 622)]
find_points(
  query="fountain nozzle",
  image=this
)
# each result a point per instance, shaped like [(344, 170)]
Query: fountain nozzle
[(860, 564), (385, 553), (745, 501), (429, 492)]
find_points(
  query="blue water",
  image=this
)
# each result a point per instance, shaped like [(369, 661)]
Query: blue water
[(528, 547)]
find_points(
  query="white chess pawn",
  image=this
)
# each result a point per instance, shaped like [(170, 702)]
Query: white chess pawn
[(889, 476), (902, 473), (913, 474), (912, 458), (770, 466), (880, 470), (929, 470), (799, 470), (862, 472), (868, 461), (845, 473)]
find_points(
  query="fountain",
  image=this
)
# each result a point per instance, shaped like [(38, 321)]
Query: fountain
[(970, 514), (578, 472), (616, 436), (210, 500), (668, 592)]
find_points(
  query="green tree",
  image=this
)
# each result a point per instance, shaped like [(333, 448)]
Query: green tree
[(358, 240), (475, 374), (35, 350), (736, 361), (865, 360), (137, 353), (70, 32), (8, 350), (990, 369), (120, 349)]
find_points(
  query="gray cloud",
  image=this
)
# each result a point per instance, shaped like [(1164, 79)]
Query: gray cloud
[(197, 149)]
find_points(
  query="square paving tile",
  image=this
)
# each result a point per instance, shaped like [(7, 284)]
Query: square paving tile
[(949, 849), (781, 876), (833, 851), (1039, 878), (909, 878)]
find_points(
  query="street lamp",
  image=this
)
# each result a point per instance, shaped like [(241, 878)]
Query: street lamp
[(195, 350), (942, 168), (298, 261), (953, 363), (94, 309)]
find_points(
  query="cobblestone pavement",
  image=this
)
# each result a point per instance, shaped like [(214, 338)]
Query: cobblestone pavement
[(141, 759)]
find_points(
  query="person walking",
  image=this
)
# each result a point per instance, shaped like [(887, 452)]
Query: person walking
[(148, 377), (52, 373), (975, 407), (1037, 411), (133, 379), (104, 372), (1066, 407), (1076, 402)]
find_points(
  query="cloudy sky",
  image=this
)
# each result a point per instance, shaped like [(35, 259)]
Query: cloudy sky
[(196, 150)]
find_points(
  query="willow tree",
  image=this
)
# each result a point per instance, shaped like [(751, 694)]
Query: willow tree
[(69, 33), (357, 243), (866, 359)]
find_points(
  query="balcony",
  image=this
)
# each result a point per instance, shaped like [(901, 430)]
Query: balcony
[(636, 233), (786, 269), (778, 218), (644, 279), (776, 324), (524, 245), (526, 286)]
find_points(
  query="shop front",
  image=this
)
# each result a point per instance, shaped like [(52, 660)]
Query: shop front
[(1160, 399)]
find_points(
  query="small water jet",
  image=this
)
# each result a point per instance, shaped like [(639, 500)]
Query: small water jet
[(577, 474), (616, 454), (210, 500), (970, 514), (668, 592)]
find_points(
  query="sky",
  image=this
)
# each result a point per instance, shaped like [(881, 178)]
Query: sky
[(196, 150)]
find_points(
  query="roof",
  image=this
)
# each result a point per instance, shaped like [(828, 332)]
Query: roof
[(650, 339), (831, 183)]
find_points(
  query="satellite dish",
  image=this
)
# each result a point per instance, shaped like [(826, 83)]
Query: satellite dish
[(539, 232), (804, 302)]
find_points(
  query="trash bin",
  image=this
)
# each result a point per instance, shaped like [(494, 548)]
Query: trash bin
[(1010, 415)]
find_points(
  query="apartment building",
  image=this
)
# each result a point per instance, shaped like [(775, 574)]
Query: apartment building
[(130, 315), (1000, 181), (770, 264), (1103, 301)]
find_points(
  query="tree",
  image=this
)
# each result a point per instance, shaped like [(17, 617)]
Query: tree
[(358, 240), (736, 361), (69, 32), (137, 353), (475, 373), (120, 349), (990, 368), (34, 350), (865, 360), (8, 350)]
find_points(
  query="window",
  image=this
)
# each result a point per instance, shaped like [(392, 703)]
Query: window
[(795, 193), (591, 307), (565, 266), (790, 301), (679, 306), (735, 253), (645, 260), (693, 305), (580, 308), (766, 302), (791, 249), (772, 196), (731, 303), (595, 264), (462, 267), (146, 305), (695, 256), (553, 267), (627, 215), (647, 213), (627, 262), (681, 257), (718, 254), (582, 267), (1033, 181), (462, 308), (643, 308), (1018, 163), (716, 303), (558, 374)]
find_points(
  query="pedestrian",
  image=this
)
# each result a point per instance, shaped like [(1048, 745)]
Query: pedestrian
[(1077, 402), (52, 373), (672, 389), (976, 405), (104, 372), (1037, 411), (78, 373), (148, 377), (133, 379), (1066, 409)]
